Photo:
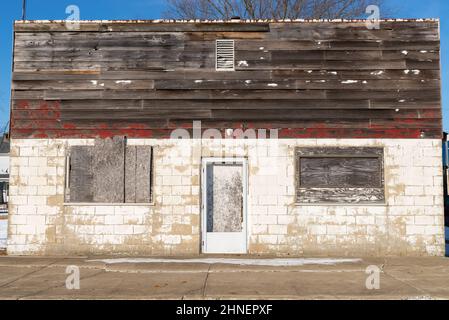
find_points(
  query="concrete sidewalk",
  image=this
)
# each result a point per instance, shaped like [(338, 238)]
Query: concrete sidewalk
[(44, 278)]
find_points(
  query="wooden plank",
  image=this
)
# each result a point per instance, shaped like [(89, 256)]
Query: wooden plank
[(218, 124), (351, 84), (130, 173), (391, 103), (333, 65), (356, 74), (84, 84), (72, 56), (353, 55), (284, 133), (81, 183), (176, 94), (323, 114), (237, 75), (138, 174), (123, 115), (91, 124), (363, 152), (320, 44), (242, 114), (139, 75), (144, 174), (401, 95), (204, 104), (300, 31), (346, 196), (137, 65), (109, 171), (181, 54), (221, 84), (134, 26), (339, 172)]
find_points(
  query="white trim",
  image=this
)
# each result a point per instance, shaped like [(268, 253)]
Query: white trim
[(231, 53), (204, 163)]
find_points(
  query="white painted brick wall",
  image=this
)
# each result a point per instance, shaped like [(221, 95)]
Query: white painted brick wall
[(409, 223)]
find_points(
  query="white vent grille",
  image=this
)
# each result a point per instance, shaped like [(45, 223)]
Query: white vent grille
[(224, 58)]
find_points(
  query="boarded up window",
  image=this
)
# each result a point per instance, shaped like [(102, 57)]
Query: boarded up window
[(109, 172), (340, 175)]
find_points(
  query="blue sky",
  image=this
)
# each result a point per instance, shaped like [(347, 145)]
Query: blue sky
[(10, 10)]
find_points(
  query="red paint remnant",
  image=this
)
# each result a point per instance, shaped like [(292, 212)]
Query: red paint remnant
[(136, 126), (23, 104), (68, 125), (104, 133), (286, 133), (43, 105)]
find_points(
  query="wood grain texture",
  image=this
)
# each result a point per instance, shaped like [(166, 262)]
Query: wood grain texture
[(81, 176), (341, 195), (310, 79), (138, 174), (339, 172), (109, 172), (340, 175)]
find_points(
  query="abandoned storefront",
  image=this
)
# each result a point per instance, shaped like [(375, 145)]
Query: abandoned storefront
[(258, 137)]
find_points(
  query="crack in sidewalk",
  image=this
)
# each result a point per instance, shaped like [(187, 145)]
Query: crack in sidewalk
[(205, 281), (403, 281), (28, 274)]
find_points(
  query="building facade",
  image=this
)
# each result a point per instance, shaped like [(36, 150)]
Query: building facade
[(263, 137)]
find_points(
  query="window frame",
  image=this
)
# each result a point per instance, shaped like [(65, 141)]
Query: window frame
[(67, 183), (335, 195)]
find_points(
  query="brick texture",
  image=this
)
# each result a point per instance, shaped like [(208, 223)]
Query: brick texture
[(410, 222)]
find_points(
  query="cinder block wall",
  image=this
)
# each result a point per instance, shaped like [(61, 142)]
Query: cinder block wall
[(410, 223)]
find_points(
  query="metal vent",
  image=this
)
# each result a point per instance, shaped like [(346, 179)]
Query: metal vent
[(224, 55)]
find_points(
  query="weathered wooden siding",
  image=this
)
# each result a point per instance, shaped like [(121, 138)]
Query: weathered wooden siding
[(308, 79)]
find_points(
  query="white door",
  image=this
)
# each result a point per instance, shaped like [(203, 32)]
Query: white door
[(224, 190)]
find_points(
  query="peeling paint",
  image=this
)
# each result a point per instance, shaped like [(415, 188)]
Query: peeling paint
[(349, 81)]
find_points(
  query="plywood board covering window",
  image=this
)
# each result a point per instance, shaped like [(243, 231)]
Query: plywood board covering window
[(109, 172), (340, 175)]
